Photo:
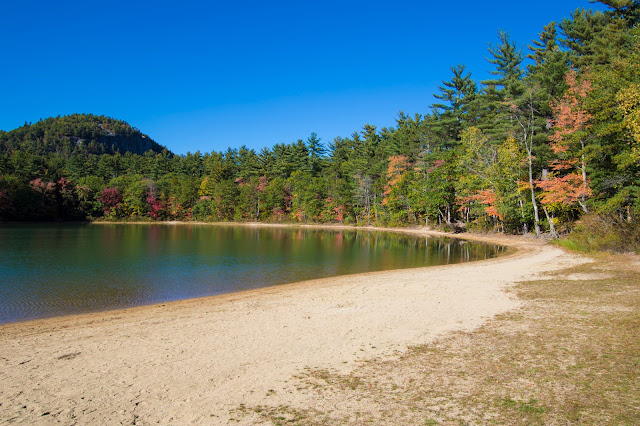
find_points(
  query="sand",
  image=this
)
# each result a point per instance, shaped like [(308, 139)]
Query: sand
[(197, 361)]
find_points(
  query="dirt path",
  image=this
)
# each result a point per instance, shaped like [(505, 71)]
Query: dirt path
[(199, 360)]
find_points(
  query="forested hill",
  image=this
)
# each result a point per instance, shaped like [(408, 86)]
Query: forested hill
[(78, 134), (532, 149)]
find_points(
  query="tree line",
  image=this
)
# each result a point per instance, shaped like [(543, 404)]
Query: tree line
[(529, 150)]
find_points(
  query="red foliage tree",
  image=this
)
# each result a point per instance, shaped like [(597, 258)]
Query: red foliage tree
[(111, 199), (42, 187), (156, 207)]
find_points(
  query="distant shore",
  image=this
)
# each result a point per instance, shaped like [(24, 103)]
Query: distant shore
[(490, 238), (197, 360)]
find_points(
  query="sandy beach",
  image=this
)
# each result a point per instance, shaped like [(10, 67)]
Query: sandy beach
[(196, 361)]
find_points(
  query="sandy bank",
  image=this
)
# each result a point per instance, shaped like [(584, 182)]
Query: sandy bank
[(195, 360)]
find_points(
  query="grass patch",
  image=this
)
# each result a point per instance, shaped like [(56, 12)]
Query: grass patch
[(572, 245), (526, 407), (596, 233)]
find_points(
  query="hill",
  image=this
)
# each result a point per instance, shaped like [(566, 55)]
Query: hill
[(78, 133)]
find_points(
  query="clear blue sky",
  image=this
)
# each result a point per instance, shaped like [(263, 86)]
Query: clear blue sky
[(207, 75)]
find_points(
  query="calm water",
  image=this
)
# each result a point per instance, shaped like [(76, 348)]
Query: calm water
[(50, 270)]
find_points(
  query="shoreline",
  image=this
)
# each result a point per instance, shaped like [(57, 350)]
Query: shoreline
[(257, 292), (198, 360), (417, 231)]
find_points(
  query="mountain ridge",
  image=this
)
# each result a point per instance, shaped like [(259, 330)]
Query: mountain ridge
[(84, 133)]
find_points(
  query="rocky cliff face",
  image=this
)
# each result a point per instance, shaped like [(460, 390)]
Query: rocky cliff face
[(136, 143)]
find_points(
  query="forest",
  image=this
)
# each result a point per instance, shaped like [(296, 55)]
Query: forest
[(552, 136)]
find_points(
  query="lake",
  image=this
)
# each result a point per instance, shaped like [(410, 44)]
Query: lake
[(51, 270)]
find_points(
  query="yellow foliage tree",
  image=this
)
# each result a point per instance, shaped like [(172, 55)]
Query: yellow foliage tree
[(629, 105)]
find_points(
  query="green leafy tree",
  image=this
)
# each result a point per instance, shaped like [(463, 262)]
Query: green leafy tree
[(307, 195)]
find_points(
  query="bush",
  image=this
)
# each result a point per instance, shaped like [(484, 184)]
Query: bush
[(603, 233)]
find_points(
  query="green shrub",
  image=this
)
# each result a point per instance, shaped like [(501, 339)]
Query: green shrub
[(603, 233)]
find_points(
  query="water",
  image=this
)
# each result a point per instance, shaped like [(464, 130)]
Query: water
[(51, 270)]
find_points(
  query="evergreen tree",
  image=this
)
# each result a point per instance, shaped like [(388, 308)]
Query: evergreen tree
[(507, 59), (550, 64), (248, 163), (457, 94), (316, 154), (595, 38), (493, 106), (266, 162)]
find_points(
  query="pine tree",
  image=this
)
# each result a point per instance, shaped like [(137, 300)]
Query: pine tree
[(493, 106), (550, 64), (596, 38), (266, 161), (316, 153), (507, 59), (457, 94), (629, 10)]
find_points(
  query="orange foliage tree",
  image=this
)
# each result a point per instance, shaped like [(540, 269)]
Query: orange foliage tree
[(398, 165), (568, 184)]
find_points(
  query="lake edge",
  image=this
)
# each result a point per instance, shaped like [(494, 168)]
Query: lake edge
[(507, 251)]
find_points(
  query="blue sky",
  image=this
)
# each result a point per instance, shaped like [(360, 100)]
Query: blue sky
[(207, 75)]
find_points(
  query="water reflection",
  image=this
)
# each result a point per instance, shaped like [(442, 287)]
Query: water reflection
[(48, 270)]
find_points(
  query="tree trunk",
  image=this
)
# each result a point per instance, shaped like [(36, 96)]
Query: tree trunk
[(584, 181), (525, 228), (375, 206), (536, 215), (528, 130), (368, 210), (552, 226)]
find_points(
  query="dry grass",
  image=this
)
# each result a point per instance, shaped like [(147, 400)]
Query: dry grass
[(571, 355), (596, 233)]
